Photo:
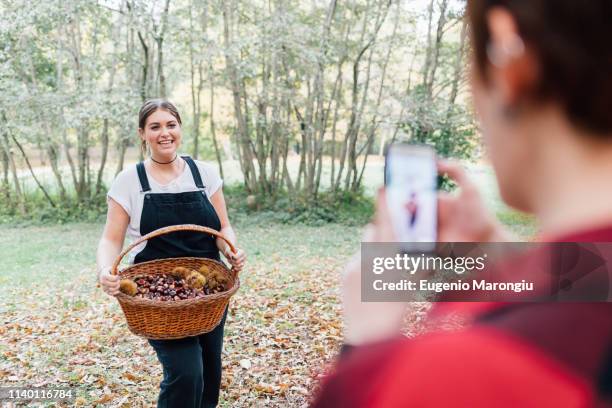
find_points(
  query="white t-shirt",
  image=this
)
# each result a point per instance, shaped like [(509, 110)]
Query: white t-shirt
[(127, 192)]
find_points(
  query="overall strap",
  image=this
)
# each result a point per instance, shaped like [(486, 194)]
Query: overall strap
[(194, 171), (142, 176)]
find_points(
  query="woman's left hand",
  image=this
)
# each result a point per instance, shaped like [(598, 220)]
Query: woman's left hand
[(236, 259), (368, 322)]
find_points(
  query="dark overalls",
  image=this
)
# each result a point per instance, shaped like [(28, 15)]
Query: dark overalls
[(192, 365)]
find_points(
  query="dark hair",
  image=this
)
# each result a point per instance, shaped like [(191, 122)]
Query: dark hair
[(571, 40), (152, 105)]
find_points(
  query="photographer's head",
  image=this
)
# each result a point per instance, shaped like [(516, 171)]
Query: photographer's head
[(543, 90)]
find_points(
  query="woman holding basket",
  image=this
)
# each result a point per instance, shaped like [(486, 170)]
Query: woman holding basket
[(167, 189)]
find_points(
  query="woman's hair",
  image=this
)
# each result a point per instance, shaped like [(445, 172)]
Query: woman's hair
[(148, 108), (152, 105), (571, 41)]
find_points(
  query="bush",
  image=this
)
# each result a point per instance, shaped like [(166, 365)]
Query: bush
[(40, 211), (343, 208), (327, 207)]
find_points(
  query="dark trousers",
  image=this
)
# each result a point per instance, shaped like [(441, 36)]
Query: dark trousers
[(192, 369)]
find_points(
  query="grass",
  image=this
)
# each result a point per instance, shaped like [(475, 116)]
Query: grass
[(37, 253)]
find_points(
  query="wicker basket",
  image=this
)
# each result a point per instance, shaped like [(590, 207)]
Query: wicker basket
[(159, 320)]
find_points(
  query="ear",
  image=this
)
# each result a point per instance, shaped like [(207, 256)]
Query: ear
[(513, 69), (141, 134)]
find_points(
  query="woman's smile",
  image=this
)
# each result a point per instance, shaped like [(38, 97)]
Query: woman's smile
[(166, 142)]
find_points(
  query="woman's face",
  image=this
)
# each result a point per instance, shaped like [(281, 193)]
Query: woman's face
[(162, 133)]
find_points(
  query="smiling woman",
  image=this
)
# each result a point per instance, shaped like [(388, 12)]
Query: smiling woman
[(161, 191)]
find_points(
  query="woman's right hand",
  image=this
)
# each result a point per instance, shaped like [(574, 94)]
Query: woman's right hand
[(109, 282), (464, 217)]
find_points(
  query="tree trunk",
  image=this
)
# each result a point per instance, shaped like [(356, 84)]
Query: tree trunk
[(436, 51), (5, 189), (160, 51), (66, 145), (145, 67), (238, 91), (383, 75), (458, 65), (104, 154), (195, 93), (122, 148), (213, 131), (428, 49), (352, 131), (105, 125), (27, 161), (53, 160), (18, 194)]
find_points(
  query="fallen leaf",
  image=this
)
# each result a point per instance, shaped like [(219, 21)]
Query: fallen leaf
[(80, 402), (104, 399)]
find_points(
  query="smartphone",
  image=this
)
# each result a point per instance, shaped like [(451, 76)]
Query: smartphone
[(411, 177)]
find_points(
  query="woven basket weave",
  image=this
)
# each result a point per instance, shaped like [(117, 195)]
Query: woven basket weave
[(160, 320)]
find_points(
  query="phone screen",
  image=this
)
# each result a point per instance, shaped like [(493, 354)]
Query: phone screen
[(411, 181)]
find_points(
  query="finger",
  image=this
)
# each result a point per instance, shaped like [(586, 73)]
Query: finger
[(381, 205), (112, 283), (109, 282), (381, 200), (383, 225)]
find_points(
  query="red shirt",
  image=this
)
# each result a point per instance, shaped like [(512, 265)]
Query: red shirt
[(511, 355)]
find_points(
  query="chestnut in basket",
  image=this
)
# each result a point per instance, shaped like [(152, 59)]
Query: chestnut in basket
[(177, 285), (128, 287)]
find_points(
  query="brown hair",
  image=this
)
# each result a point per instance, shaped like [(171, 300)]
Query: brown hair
[(152, 105), (571, 42), (149, 107)]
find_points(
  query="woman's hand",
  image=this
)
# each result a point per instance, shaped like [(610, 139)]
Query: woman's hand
[(236, 259), (366, 322), (463, 217), (109, 282)]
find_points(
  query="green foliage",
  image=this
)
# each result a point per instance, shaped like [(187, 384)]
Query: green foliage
[(344, 208), (328, 207), (40, 212), (448, 127)]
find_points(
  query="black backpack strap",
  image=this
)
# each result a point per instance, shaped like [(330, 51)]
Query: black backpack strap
[(194, 171), (142, 176)]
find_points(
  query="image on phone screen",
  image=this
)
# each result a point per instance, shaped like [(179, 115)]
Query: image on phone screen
[(411, 179)]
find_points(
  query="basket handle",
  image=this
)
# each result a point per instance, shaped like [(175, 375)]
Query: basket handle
[(166, 230)]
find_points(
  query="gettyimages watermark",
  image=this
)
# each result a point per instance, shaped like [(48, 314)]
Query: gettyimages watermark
[(477, 272)]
